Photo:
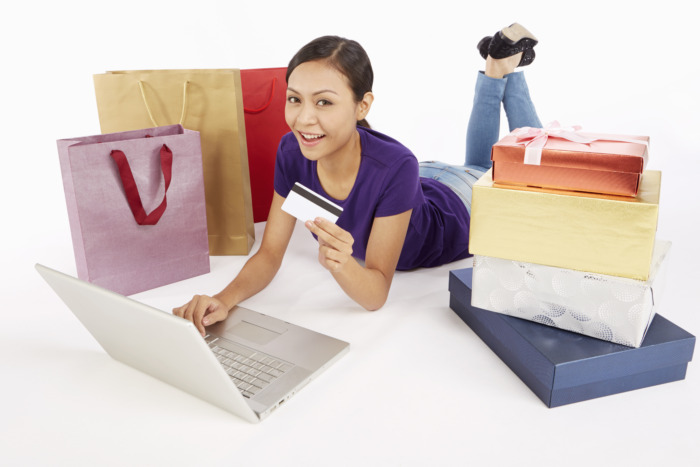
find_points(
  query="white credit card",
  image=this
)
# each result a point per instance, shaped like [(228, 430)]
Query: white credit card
[(306, 205)]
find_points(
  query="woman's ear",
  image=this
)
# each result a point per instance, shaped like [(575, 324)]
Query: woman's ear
[(364, 105)]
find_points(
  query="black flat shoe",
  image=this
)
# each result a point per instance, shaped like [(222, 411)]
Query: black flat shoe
[(510, 41), (483, 46), (527, 58)]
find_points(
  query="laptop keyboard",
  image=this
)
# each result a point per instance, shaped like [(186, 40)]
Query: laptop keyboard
[(251, 371)]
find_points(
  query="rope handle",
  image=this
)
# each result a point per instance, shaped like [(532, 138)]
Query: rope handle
[(148, 108), (269, 101), (132, 191)]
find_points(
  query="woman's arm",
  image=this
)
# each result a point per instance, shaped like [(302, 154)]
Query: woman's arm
[(256, 274), (368, 285)]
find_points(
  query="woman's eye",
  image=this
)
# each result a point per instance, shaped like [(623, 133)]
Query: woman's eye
[(324, 102), (292, 100)]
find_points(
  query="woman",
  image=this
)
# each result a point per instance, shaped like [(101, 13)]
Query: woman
[(397, 214)]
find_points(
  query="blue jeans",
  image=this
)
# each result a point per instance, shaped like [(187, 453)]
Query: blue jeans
[(483, 130), (458, 178)]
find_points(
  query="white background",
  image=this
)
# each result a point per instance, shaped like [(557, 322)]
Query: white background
[(619, 67)]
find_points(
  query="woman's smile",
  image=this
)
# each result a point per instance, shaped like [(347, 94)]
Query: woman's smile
[(310, 139), (322, 111)]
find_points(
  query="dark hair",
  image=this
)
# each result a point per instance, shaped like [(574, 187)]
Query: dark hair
[(345, 55)]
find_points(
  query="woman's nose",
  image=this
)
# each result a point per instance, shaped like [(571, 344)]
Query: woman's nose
[(307, 114)]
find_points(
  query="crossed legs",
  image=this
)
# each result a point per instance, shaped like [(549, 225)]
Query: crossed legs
[(497, 84)]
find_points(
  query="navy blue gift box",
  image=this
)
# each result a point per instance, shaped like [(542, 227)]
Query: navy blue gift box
[(563, 367)]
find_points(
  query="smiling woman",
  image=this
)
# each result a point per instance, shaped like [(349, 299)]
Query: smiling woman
[(347, 57), (322, 113), (397, 213)]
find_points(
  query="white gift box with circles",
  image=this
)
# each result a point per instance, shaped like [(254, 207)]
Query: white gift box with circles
[(611, 308)]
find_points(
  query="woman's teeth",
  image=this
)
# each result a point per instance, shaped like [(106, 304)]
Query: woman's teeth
[(305, 136)]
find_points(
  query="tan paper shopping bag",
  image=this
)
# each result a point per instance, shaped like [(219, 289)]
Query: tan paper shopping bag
[(207, 101)]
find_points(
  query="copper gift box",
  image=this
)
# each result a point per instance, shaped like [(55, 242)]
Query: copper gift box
[(601, 166)]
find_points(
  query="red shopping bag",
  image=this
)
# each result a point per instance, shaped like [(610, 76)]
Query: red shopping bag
[(136, 207), (264, 97)]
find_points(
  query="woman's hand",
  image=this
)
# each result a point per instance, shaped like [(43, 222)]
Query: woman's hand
[(203, 310), (368, 284), (334, 244), (256, 274)]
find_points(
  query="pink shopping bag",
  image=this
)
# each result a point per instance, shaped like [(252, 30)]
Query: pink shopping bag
[(136, 207)]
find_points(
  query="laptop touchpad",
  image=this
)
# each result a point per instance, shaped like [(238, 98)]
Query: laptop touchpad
[(252, 332)]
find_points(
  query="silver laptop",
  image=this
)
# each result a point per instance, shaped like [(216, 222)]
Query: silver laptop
[(248, 364)]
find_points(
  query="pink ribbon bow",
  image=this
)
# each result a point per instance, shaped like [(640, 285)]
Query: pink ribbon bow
[(534, 139)]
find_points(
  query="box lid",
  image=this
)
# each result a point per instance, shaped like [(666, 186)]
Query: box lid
[(601, 154)]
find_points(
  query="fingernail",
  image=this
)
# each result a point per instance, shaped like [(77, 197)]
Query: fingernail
[(205, 321)]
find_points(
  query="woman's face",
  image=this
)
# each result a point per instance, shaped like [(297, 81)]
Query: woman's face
[(321, 110)]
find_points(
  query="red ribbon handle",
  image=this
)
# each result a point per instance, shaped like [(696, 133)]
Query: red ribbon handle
[(269, 101), (132, 191)]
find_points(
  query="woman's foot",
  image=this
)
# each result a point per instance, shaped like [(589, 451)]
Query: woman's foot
[(499, 67), (510, 41)]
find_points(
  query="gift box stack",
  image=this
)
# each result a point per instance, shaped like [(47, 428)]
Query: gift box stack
[(563, 233)]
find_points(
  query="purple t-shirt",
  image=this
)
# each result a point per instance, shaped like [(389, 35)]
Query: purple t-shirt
[(387, 184)]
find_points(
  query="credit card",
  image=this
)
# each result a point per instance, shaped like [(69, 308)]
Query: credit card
[(306, 205)]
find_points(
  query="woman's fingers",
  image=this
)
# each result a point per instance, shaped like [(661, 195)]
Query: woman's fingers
[(333, 235), (202, 310), (334, 243)]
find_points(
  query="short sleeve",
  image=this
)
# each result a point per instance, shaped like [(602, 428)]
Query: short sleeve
[(282, 182)]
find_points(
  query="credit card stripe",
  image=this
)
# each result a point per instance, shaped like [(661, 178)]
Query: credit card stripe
[(317, 200)]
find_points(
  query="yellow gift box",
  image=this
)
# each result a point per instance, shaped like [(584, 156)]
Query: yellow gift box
[(605, 234)]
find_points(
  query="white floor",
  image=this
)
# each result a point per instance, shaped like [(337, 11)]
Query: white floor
[(418, 387)]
